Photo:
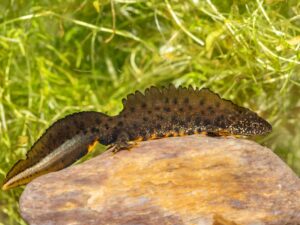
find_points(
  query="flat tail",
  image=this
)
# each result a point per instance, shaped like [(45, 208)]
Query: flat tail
[(66, 141)]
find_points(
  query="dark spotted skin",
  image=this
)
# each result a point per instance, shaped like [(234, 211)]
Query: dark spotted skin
[(184, 111), (159, 112)]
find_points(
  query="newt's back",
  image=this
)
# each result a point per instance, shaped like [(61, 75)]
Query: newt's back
[(183, 111)]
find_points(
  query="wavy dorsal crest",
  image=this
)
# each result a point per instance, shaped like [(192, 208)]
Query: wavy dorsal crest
[(192, 108)]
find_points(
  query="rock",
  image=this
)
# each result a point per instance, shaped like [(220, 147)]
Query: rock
[(181, 180)]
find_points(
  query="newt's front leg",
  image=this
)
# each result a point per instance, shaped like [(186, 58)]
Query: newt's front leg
[(122, 143)]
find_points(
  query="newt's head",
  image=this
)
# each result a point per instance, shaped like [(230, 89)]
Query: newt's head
[(248, 123)]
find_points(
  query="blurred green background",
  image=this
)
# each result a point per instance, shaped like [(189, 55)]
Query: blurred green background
[(59, 57)]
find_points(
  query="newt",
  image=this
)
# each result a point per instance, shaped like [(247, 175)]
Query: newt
[(158, 113)]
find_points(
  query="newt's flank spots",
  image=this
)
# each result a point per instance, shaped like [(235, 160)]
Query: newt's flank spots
[(158, 113), (167, 109), (166, 100), (186, 100), (175, 101), (157, 108)]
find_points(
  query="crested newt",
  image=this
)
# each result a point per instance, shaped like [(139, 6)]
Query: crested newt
[(158, 113)]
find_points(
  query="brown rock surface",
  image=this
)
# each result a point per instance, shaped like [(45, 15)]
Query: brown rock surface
[(183, 180)]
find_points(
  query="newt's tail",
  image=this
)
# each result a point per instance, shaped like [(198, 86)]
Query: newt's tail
[(62, 144)]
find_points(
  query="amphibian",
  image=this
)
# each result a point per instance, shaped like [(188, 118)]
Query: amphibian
[(159, 112)]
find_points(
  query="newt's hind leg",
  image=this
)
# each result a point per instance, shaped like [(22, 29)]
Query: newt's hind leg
[(219, 133), (122, 143), (214, 134)]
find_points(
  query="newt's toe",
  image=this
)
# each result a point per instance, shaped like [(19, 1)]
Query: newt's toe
[(119, 146)]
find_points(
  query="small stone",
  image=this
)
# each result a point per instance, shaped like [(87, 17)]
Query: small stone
[(180, 180)]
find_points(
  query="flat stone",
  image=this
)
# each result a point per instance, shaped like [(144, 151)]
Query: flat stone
[(182, 180)]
